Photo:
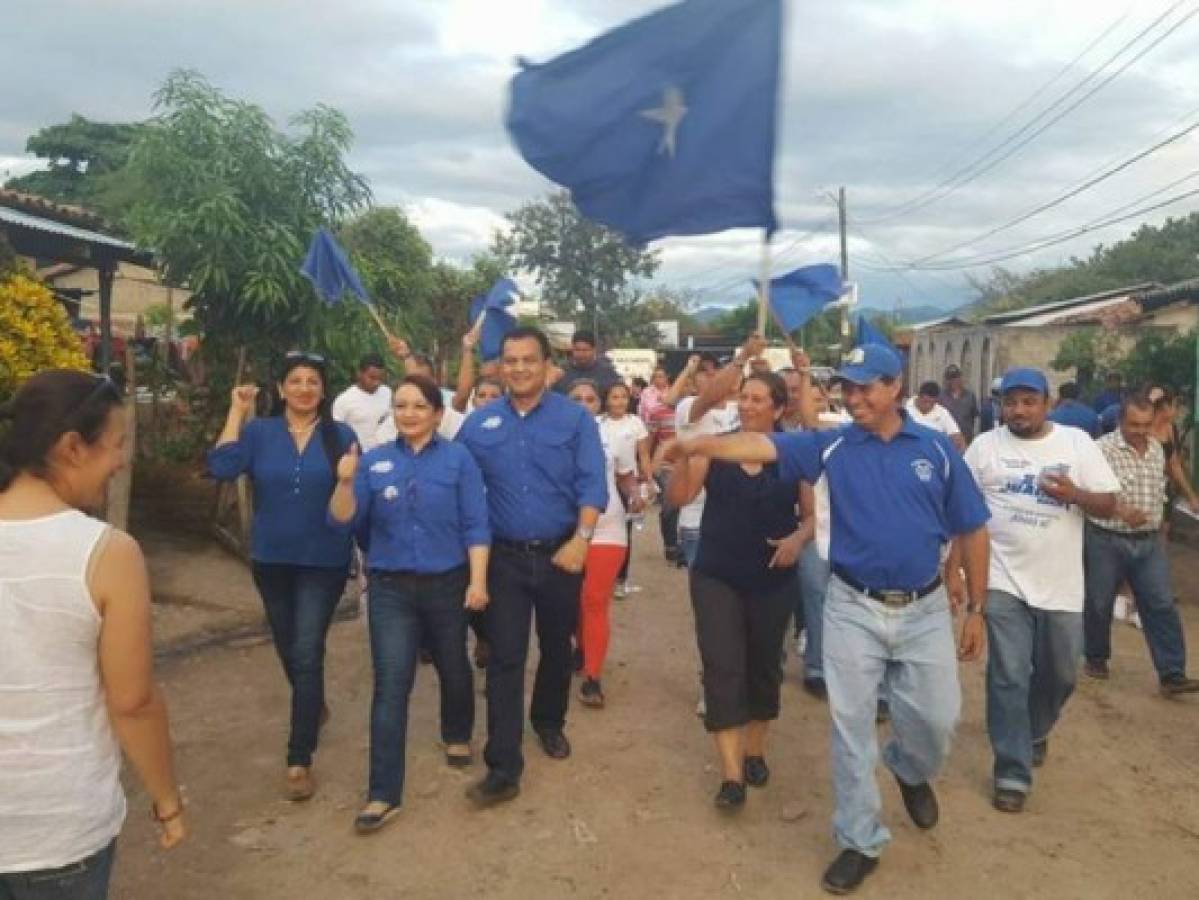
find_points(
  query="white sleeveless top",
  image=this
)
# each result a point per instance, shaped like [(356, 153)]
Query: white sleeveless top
[(60, 789)]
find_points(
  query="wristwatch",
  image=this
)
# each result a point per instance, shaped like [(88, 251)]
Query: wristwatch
[(586, 533)]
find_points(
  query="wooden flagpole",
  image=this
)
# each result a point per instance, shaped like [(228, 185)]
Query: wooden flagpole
[(764, 285)]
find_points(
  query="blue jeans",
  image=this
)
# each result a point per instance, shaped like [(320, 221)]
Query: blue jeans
[(1031, 668), (402, 608), (86, 879), (813, 583), (909, 652), (299, 602), (689, 544), (1110, 560)]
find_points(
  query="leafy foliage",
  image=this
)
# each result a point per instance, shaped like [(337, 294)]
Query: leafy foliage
[(34, 334), (1163, 359), (1090, 351)]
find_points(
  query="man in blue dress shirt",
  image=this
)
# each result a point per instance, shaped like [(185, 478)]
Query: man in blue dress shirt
[(898, 493), (1073, 412), (543, 465)]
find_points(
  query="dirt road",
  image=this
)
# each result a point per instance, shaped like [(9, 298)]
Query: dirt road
[(1114, 814)]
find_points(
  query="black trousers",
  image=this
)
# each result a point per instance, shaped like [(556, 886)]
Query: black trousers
[(521, 583), (740, 636)]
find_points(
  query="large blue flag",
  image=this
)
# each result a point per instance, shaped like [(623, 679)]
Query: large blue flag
[(664, 126), (799, 295), (868, 334), (496, 324), (330, 270), (501, 295)]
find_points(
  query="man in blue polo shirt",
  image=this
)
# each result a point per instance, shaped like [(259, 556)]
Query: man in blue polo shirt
[(1073, 412), (544, 470), (898, 493)]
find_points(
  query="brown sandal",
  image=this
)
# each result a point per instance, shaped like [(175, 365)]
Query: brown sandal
[(300, 784)]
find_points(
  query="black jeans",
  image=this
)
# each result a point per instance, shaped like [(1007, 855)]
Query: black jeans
[(402, 609), (668, 516), (520, 583), (300, 601), (86, 879), (740, 636)]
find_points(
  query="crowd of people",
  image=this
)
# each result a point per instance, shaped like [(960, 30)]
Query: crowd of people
[(895, 539)]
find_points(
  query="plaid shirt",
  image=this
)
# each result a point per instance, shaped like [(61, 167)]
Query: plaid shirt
[(1142, 480)]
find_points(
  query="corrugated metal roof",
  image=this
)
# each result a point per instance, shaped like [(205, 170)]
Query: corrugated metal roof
[(1007, 318), (25, 220)]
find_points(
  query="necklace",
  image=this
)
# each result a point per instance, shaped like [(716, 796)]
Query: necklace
[(307, 428)]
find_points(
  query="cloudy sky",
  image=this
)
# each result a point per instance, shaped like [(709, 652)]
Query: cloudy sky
[(898, 100)]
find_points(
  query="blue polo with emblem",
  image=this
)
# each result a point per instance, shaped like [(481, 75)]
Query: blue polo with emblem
[(893, 504), (540, 468)]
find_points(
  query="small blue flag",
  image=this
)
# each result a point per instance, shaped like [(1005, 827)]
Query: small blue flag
[(330, 270), (502, 294), (868, 334), (665, 125), (496, 325), (798, 296)]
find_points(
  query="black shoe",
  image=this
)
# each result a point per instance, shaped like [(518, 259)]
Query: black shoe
[(730, 797), (1097, 668), (1178, 683), (1040, 749), (1008, 800), (459, 760), (591, 693), (920, 802), (368, 823), (816, 688), (847, 872), (491, 790), (672, 554), (757, 773), (554, 743)]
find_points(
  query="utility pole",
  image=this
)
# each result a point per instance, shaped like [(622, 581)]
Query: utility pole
[(842, 217)]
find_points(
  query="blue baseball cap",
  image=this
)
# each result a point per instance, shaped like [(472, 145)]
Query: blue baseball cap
[(868, 363), (1024, 377)]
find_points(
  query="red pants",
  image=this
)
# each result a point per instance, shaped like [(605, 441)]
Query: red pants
[(599, 579)]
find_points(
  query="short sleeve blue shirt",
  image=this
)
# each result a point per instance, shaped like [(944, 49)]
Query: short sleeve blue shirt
[(893, 504), (1076, 415), (540, 468)]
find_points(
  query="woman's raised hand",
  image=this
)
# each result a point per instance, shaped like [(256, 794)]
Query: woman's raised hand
[(347, 466)]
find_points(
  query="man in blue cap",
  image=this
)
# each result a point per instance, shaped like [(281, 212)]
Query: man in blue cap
[(897, 494), (1041, 478)]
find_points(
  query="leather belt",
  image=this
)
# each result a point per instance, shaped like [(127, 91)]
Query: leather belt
[(892, 599), (541, 548)]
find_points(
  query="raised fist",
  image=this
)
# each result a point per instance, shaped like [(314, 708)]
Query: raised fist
[(347, 466)]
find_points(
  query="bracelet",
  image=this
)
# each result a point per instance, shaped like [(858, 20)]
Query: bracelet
[(974, 609), (161, 819)]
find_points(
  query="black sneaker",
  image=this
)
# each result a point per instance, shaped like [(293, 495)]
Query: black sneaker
[(816, 687), (493, 789), (730, 797), (1097, 669), (591, 693), (1008, 800), (920, 802), (757, 773), (554, 743), (1040, 750), (847, 872), (1178, 683)]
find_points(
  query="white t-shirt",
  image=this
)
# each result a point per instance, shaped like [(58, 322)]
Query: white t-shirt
[(451, 423), (938, 418), (363, 412), (1036, 542), (621, 459), (628, 429), (719, 420)]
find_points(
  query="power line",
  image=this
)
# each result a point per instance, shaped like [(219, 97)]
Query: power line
[(989, 161)]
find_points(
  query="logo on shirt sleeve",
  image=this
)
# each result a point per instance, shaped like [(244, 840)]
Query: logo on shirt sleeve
[(923, 469), (492, 423)]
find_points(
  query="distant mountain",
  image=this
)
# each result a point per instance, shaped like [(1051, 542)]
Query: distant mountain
[(706, 315), (908, 314)]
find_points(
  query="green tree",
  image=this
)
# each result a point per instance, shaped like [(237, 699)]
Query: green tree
[(82, 157), (229, 203), (1158, 358), (574, 260), (396, 265), (1088, 351)]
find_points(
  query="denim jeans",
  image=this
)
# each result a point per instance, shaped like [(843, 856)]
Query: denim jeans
[(402, 608), (299, 602), (86, 879), (1032, 665), (689, 544), (813, 584), (1110, 560), (910, 652), (521, 583)]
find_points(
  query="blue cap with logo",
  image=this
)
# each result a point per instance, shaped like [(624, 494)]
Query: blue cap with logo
[(868, 363), (1024, 377)]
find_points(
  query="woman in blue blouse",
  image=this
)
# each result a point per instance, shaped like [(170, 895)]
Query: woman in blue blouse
[(299, 561), (419, 506)]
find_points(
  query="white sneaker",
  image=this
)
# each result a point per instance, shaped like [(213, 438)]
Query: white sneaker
[(801, 642), (621, 590), (701, 708)]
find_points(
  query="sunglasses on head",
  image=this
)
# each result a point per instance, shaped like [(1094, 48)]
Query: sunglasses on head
[(304, 356)]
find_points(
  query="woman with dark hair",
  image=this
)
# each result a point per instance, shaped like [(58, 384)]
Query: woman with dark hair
[(1165, 429), (76, 654), (299, 561), (742, 588), (419, 505), (626, 430)]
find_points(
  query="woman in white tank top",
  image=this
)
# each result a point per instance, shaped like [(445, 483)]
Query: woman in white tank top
[(76, 661)]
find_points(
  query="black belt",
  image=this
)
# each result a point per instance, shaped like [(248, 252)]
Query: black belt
[(542, 548), (412, 573), (1131, 535), (888, 598)]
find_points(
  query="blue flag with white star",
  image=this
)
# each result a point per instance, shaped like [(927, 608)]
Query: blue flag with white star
[(665, 125)]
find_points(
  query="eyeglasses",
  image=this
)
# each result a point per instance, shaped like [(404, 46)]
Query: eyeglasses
[(304, 356)]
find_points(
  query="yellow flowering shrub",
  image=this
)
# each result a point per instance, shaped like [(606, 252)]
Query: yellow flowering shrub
[(35, 333)]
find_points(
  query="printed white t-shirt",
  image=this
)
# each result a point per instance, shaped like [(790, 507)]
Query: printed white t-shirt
[(619, 459), (1036, 541), (628, 429), (938, 418), (718, 420), (363, 412)]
